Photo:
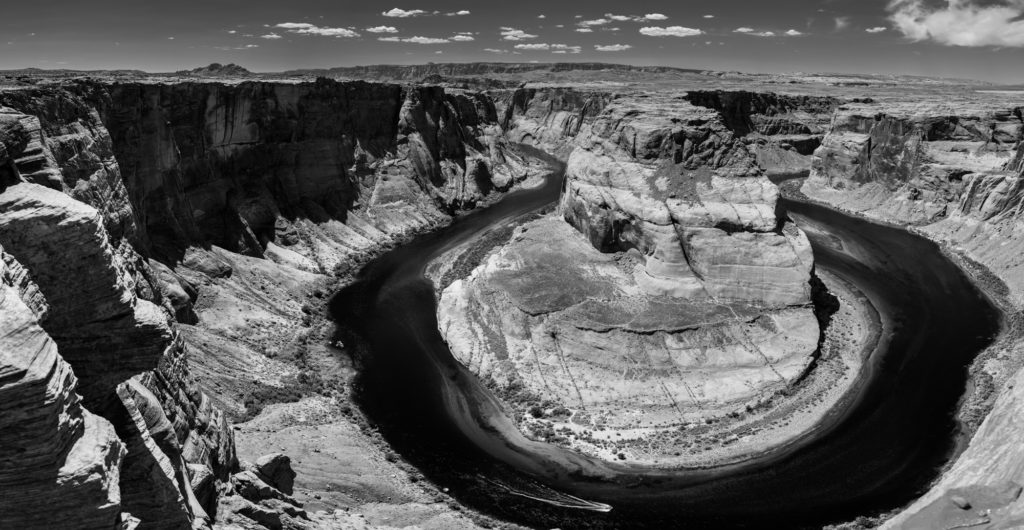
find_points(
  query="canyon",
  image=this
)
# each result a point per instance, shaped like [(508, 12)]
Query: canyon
[(170, 250)]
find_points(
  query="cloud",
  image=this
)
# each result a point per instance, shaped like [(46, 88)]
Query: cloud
[(541, 16), (382, 29), (565, 48), (401, 13), (271, 36), (555, 48), (232, 32), (611, 47), (304, 28), (515, 34), (743, 30), (425, 40), (456, 13), (628, 18), (709, 16), (876, 29), (495, 50), (671, 31), (764, 34), (961, 22), (584, 30), (462, 37), (842, 23), (595, 22), (793, 33)]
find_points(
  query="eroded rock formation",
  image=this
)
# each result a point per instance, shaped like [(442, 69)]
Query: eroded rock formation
[(678, 296)]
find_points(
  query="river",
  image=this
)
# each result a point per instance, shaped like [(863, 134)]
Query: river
[(877, 452)]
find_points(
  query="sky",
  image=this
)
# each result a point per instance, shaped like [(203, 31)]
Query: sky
[(971, 39)]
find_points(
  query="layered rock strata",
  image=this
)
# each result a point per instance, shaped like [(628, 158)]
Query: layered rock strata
[(669, 293), (129, 206), (951, 171)]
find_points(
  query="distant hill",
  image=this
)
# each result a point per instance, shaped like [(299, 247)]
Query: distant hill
[(421, 71), (216, 70)]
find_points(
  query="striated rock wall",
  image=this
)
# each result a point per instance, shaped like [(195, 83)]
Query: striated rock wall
[(953, 171), (59, 463), (549, 118), (910, 162), (245, 165), (127, 204)]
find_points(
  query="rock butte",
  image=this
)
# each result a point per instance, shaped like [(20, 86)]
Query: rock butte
[(166, 249)]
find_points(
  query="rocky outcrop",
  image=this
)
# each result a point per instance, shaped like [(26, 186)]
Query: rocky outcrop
[(549, 118), (59, 463), (910, 162), (953, 170), (680, 296)]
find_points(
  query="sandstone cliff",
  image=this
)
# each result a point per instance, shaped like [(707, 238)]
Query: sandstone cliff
[(141, 219), (952, 171)]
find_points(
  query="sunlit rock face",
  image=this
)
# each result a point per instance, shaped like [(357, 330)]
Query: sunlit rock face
[(59, 463), (665, 290)]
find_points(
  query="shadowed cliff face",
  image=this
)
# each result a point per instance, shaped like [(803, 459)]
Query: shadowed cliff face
[(233, 165), (117, 201)]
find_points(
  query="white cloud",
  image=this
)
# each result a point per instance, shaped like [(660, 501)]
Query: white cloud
[(439, 52), (961, 22), (541, 16), (619, 18), (555, 48), (876, 29), (515, 34), (401, 13), (764, 34), (743, 30), (612, 47), (842, 23), (495, 50), (456, 13), (426, 40), (584, 30), (304, 28), (595, 22), (793, 33), (462, 13), (709, 16), (559, 25), (382, 29), (232, 32), (565, 48), (671, 31), (270, 36), (170, 38), (655, 16), (533, 46), (462, 37), (389, 39)]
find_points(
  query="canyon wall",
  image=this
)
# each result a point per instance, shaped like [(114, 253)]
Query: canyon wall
[(126, 209), (952, 172)]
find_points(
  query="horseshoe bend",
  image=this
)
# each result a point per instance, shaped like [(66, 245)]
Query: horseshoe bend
[(512, 295)]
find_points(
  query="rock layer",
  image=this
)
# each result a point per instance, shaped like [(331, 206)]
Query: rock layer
[(679, 296)]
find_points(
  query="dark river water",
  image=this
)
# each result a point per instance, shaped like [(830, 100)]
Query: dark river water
[(877, 452)]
